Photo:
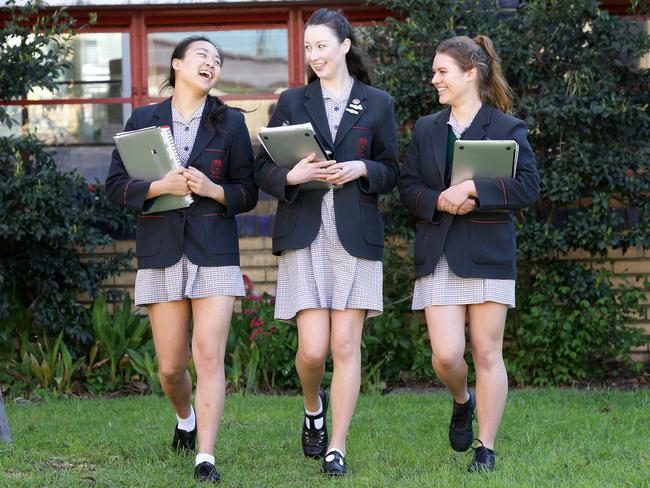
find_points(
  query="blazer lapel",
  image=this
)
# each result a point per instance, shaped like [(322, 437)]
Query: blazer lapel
[(358, 92), (476, 130), (204, 135), (439, 142), (316, 110), (163, 115)]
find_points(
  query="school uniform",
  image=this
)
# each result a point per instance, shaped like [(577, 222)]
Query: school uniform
[(191, 252), (465, 259), (331, 242)]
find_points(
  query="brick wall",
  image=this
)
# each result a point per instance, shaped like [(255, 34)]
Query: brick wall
[(260, 265)]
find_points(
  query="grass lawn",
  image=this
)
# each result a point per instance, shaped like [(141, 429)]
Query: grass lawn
[(559, 438)]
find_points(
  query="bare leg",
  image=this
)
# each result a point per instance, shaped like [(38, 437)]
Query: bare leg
[(487, 322), (446, 324), (170, 325), (211, 324), (313, 345), (347, 326)]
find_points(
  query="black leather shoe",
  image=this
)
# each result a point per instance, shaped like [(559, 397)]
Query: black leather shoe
[(206, 472), (461, 434), (314, 441), (333, 464), (483, 460), (183, 441)]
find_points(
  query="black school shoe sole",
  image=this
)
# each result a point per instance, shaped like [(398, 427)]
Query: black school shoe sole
[(314, 441)]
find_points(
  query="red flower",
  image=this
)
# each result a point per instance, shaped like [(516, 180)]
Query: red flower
[(273, 328), (248, 284), (257, 322), (92, 188)]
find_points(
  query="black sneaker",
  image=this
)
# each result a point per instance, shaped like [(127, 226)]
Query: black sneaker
[(206, 472), (184, 441), (461, 434), (314, 441), (483, 460), (333, 464)]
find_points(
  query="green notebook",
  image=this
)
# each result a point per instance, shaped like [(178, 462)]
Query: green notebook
[(149, 154)]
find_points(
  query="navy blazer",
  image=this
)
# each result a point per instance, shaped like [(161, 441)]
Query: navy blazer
[(480, 244), (206, 231), (369, 136)]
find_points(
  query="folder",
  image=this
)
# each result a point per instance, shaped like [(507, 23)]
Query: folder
[(484, 159), (149, 154), (288, 144)]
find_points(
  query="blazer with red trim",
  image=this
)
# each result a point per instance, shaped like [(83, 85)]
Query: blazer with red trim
[(206, 231), (367, 135), (480, 244)]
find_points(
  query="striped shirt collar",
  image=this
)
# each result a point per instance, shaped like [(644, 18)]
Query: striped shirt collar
[(457, 128), (342, 97), (177, 117)]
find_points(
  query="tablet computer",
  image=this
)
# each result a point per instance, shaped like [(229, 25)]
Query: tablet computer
[(288, 144), (484, 159)]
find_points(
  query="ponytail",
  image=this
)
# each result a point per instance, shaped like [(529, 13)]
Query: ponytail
[(494, 89), (479, 53)]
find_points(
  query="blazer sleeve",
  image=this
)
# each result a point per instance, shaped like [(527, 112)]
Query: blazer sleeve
[(270, 177), (512, 193), (120, 187), (240, 191), (420, 199), (383, 169)]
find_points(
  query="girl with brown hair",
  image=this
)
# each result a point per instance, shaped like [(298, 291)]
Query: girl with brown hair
[(464, 252)]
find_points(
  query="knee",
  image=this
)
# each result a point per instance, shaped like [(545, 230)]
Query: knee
[(487, 359), (446, 361), (344, 351), (312, 357), (172, 373), (207, 359)]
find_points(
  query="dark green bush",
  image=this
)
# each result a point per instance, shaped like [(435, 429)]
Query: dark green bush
[(49, 220), (572, 67)]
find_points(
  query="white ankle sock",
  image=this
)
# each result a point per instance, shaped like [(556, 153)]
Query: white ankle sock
[(189, 423), (201, 458), (318, 423)]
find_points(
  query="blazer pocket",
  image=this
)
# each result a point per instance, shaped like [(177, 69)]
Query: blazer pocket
[(360, 141), (372, 228), (220, 234), (491, 241), (148, 235), (285, 218), (214, 163)]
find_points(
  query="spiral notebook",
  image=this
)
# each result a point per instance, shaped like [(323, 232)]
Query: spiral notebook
[(149, 154)]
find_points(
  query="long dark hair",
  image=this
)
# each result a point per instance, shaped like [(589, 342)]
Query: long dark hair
[(340, 25), (217, 108), (479, 53)]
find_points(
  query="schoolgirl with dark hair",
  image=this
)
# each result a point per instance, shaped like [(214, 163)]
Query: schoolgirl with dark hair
[(330, 242), (464, 251), (188, 259)]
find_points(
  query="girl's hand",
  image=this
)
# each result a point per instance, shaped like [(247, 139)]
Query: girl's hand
[(306, 170), (454, 197), (341, 173), (199, 183), (175, 183), (467, 206)]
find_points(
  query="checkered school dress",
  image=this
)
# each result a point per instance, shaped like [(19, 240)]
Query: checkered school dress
[(185, 279), (324, 274), (444, 287)]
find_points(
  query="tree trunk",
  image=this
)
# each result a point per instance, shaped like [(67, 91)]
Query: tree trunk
[(5, 433)]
